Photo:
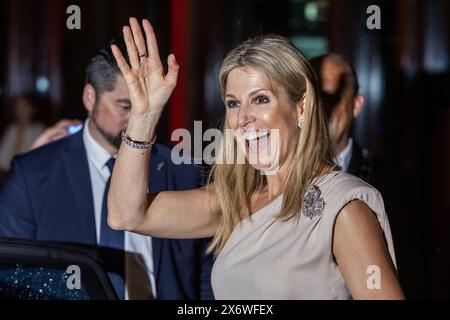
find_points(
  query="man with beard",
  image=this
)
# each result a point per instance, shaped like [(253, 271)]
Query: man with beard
[(58, 193)]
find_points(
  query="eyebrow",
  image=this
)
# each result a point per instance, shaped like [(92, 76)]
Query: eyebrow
[(251, 93)]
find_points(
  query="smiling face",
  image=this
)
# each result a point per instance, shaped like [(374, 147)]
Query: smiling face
[(268, 85), (263, 118)]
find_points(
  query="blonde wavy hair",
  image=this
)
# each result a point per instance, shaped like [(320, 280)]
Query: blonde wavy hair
[(282, 63)]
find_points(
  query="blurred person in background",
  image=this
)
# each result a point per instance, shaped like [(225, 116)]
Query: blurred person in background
[(343, 104), (22, 132), (57, 192)]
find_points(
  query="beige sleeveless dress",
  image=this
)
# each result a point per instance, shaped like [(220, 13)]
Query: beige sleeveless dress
[(265, 258)]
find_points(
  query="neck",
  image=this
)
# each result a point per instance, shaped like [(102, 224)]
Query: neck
[(98, 137), (342, 143), (277, 182)]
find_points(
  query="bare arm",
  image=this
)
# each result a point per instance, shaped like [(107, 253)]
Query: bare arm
[(358, 244), (177, 214)]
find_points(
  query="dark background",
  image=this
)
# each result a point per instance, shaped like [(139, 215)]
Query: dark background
[(403, 70)]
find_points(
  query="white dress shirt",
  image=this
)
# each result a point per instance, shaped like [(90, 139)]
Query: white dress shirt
[(344, 158), (138, 248)]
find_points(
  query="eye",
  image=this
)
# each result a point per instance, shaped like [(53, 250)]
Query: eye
[(124, 107), (231, 104), (261, 99)]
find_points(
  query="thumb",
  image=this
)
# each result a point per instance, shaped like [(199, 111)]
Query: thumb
[(172, 73)]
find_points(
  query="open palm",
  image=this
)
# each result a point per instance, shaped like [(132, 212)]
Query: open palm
[(149, 87)]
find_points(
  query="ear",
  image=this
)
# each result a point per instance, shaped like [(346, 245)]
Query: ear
[(89, 98), (300, 107), (358, 104)]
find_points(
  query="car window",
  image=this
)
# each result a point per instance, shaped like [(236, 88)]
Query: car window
[(43, 270), (28, 282)]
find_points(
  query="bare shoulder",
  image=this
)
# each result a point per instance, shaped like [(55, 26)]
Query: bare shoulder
[(342, 192), (358, 246), (355, 216)]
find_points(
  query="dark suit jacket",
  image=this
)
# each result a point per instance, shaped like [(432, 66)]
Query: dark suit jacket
[(361, 163), (48, 196)]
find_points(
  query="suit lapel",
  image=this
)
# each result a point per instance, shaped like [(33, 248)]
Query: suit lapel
[(77, 170), (157, 244)]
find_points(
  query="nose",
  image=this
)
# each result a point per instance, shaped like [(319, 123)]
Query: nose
[(330, 101), (245, 115), (127, 116)]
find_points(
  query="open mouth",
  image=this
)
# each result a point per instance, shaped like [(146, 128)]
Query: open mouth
[(257, 141)]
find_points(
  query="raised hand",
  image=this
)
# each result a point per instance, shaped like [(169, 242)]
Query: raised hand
[(149, 87)]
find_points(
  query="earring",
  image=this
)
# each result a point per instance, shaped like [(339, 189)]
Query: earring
[(300, 123)]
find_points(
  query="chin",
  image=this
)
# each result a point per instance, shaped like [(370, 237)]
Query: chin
[(266, 166), (259, 166)]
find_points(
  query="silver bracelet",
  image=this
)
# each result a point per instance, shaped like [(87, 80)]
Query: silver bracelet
[(137, 144)]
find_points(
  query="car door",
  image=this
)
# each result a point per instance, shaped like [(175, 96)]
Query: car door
[(32, 270)]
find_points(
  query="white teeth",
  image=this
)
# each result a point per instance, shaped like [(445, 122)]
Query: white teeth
[(253, 135)]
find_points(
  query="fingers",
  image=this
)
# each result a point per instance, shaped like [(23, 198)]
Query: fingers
[(152, 44), (138, 37), (64, 123), (58, 133), (49, 135), (136, 46), (131, 47), (172, 73), (121, 62), (55, 132)]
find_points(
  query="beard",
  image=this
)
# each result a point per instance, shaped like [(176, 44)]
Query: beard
[(112, 139)]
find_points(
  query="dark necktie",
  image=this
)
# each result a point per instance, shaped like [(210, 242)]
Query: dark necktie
[(112, 244)]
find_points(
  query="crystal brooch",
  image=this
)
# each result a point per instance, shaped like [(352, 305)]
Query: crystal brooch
[(313, 203)]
